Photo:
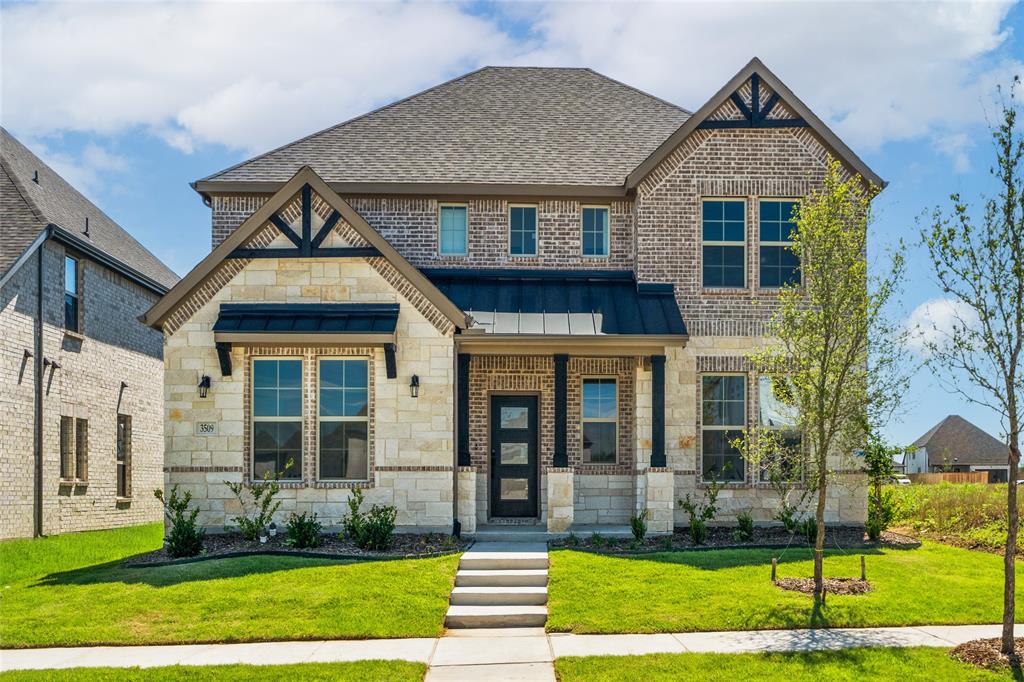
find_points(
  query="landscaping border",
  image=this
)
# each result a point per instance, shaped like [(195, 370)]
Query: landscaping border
[(299, 553), (913, 544)]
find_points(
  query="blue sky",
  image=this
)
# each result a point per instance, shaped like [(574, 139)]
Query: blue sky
[(132, 101)]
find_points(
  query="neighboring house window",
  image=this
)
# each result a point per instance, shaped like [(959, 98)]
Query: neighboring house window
[(779, 264), (723, 420), (522, 230), (600, 420), (453, 230), (723, 230), (74, 449), (71, 294), (787, 463), (124, 455), (595, 231), (277, 417), (344, 419)]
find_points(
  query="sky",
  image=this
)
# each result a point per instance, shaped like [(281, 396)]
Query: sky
[(131, 102)]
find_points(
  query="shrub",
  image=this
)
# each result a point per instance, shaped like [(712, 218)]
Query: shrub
[(259, 509), (374, 530), (744, 527), (809, 529), (881, 512), (701, 511), (186, 538), (786, 515), (303, 531), (666, 543), (597, 540), (573, 540), (638, 524)]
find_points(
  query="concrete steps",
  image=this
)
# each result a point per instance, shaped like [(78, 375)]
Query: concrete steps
[(500, 585)]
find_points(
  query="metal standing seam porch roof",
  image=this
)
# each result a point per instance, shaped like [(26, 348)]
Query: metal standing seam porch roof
[(238, 322), (561, 302)]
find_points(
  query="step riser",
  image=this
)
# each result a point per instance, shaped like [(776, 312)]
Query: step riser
[(523, 620), (499, 599), (501, 564), (501, 580)]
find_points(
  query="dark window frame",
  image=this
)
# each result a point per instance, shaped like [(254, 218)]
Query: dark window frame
[(605, 231), (780, 248), (295, 472), (718, 224), (123, 456), (520, 229), (73, 299), (729, 431), (356, 419), (441, 208), (600, 380)]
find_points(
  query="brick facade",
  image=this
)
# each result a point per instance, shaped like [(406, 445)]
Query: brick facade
[(113, 367)]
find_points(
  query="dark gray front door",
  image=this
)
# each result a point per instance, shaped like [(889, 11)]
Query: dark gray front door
[(513, 455)]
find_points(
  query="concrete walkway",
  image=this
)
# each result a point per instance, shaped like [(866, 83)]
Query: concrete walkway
[(482, 654)]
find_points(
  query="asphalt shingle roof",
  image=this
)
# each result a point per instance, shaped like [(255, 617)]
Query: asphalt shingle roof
[(954, 440), (497, 125), (29, 207)]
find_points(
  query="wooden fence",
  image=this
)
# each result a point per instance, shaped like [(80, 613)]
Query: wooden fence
[(953, 477)]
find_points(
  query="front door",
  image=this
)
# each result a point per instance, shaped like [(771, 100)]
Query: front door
[(513, 456)]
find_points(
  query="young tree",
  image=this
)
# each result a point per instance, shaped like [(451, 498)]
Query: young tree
[(835, 361), (980, 265)]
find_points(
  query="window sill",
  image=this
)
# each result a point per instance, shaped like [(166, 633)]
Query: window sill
[(76, 482), (122, 501), (724, 291), (77, 336)]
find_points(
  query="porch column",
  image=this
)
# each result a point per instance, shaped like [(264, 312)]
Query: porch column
[(462, 407), (561, 410), (560, 499), (467, 499), (658, 411), (660, 499)]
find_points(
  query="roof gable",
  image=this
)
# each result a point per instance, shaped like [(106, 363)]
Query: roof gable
[(303, 199), (955, 438), (753, 98)]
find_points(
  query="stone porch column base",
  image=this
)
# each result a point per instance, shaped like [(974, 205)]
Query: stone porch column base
[(660, 499), (467, 498), (560, 499)]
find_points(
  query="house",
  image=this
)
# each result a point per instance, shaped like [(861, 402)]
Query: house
[(524, 296), (957, 445), (81, 376)]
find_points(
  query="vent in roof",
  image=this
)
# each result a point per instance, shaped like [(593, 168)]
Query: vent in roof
[(35, 177), (86, 230)]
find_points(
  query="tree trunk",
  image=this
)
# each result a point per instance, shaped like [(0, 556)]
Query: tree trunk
[(819, 540), (1010, 555)]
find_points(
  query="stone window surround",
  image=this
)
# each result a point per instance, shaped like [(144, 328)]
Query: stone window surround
[(310, 423)]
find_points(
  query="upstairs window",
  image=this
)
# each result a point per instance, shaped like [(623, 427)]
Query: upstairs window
[(780, 266), (723, 230), (452, 230), (344, 419), (71, 294), (522, 230), (723, 421), (595, 231), (277, 418), (600, 420)]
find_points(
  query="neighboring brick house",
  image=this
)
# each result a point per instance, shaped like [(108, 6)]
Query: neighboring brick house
[(957, 445), (81, 376), (522, 296)]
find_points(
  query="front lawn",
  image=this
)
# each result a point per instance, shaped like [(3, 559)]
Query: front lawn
[(358, 671), (907, 665), (73, 590), (732, 590)]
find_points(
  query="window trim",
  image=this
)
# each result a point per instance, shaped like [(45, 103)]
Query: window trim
[(451, 204), (253, 419), (599, 420), (745, 427), (760, 243), (742, 243), (607, 231), (126, 461), (77, 293), (367, 419), (536, 230)]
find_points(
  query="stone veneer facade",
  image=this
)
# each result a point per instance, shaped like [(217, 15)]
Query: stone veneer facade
[(86, 382), (656, 234)]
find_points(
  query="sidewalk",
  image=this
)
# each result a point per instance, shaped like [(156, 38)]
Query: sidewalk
[(471, 653)]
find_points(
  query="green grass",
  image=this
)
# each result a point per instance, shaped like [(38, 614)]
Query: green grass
[(907, 665), (732, 590), (368, 671), (969, 514), (73, 590)]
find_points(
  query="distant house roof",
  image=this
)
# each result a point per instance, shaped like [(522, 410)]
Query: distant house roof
[(956, 441), (34, 197), (496, 125), (574, 303)]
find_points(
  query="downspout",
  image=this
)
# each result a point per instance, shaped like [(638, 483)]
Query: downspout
[(37, 436)]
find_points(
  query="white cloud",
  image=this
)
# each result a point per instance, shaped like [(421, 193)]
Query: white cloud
[(256, 74), (934, 321), (956, 146), (87, 171)]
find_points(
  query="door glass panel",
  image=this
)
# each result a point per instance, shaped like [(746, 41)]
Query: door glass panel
[(515, 417), (515, 489), (514, 453)]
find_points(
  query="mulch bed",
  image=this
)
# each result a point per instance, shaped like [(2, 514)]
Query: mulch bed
[(985, 653), (723, 537), (223, 545), (832, 585)]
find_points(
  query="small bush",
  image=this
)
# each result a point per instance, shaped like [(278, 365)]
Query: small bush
[(786, 515), (597, 540), (666, 543), (638, 524), (259, 505), (701, 511), (881, 512), (303, 531), (573, 540), (744, 527), (809, 529), (374, 530), (186, 538)]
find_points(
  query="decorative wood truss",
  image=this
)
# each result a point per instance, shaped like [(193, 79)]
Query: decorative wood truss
[(755, 116)]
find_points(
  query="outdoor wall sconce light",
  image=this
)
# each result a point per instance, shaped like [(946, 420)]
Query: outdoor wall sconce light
[(204, 386), (414, 386)]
